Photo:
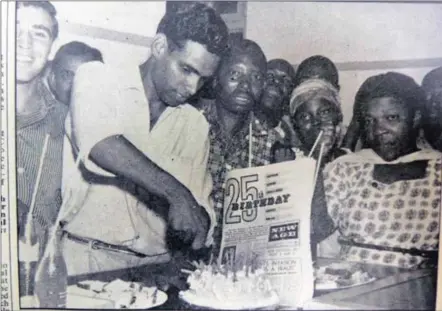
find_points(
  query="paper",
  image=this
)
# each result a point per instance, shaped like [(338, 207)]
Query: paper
[(267, 213)]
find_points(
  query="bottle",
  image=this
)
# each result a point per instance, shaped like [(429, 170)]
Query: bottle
[(51, 277)]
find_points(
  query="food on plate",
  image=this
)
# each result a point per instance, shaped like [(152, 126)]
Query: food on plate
[(226, 287), (126, 295), (339, 275)]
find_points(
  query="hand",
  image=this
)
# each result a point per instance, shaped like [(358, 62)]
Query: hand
[(188, 218)]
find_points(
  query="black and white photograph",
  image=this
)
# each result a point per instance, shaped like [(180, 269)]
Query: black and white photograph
[(221, 155)]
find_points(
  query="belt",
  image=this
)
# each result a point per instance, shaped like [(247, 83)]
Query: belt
[(96, 244), (431, 254)]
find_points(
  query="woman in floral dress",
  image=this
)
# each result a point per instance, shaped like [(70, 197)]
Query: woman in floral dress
[(385, 200)]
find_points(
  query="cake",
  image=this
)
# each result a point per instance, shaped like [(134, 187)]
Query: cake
[(224, 287)]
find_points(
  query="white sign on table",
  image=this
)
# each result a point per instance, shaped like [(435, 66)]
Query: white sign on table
[(267, 212)]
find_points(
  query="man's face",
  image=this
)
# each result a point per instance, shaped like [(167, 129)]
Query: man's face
[(181, 72), (62, 77), (387, 127), (240, 83), (315, 116), (34, 41), (279, 86)]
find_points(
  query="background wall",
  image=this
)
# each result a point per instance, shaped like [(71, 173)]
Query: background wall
[(363, 39), (120, 30)]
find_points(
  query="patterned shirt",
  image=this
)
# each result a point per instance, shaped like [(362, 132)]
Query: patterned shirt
[(31, 132), (403, 214), (227, 153)]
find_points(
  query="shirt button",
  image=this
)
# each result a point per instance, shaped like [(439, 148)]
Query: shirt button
[(20, 170), (374, 184)]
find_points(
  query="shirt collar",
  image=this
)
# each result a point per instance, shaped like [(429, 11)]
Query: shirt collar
[(45, 103)]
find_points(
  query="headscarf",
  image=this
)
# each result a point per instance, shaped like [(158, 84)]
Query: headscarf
[(313, 89)]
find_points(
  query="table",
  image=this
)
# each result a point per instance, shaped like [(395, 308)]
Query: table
[(394, 288)]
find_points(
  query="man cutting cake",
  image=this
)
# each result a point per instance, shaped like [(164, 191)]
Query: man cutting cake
[(141, 175)]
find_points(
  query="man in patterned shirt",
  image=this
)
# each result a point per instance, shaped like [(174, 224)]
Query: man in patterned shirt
[(238, 88)]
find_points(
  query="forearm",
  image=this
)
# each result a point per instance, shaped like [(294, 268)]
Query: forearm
[(119, 156)]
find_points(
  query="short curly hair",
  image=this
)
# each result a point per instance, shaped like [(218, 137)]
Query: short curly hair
[(76, 48), (317, 62), (390, 84), (46, 6), (199, 23)]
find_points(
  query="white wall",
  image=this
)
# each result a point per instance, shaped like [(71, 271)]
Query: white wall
[(119, 29), (352, 35)]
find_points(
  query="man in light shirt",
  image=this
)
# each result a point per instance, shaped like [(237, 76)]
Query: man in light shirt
[(139, 180)]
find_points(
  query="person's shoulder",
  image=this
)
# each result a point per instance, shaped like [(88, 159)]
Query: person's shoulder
[(99, 72), (430, 154), (345, 158), (195, 117)]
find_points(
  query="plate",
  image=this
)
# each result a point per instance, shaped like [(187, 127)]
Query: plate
[(328, 281), (142, 304), (191, 298)]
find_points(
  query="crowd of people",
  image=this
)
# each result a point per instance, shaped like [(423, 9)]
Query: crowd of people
[(135, 159)]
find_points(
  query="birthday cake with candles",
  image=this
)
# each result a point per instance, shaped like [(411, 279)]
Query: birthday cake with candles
[(229, 287)]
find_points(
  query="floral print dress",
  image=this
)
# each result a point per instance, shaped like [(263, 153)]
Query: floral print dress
[(403, 214)]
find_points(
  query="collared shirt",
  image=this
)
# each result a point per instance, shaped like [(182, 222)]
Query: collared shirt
[(228, 153), (103, 206), (402, 214), (32, 129)]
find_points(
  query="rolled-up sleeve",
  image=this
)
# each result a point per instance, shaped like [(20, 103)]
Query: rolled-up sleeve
[(94, 108)]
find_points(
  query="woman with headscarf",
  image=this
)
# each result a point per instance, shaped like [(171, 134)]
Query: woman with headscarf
[(385, 199), (315, 107)]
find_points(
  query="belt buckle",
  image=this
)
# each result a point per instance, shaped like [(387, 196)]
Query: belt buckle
[(93, 245)]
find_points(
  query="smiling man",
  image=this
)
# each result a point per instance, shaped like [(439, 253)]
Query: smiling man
[(143, 151), (37, 116), (276, 95), (238, 88)]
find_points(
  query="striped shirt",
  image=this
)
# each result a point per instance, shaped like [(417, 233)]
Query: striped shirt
[(31, 132)]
